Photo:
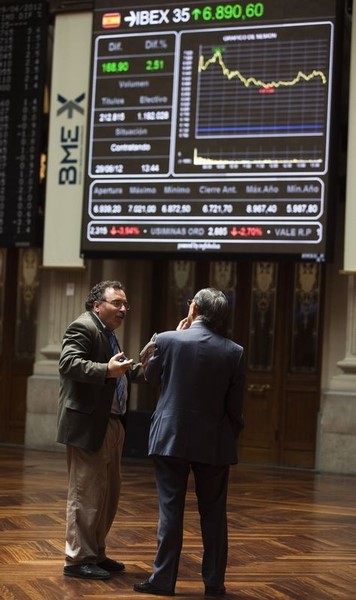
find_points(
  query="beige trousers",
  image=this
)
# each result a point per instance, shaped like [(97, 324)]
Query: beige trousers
[(94, 480)]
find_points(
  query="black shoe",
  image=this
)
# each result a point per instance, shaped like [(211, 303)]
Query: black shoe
[(146, 587), (113, 566), (87, 571), (213, 591)]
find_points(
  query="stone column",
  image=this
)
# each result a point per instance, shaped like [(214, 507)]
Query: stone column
[(337, 430), (63, 294)]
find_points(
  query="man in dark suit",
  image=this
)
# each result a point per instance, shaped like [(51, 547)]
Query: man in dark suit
[(94, 378), (194, 427)]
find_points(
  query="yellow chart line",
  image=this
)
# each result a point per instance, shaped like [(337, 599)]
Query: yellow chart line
[(247, 81), (200, 160)]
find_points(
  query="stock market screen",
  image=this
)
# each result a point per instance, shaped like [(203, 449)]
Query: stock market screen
[(210, 128)]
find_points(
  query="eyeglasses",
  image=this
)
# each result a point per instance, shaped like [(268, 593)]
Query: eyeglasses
[(118, 303)]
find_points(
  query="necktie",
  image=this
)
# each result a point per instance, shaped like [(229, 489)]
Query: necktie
[(120, 381)]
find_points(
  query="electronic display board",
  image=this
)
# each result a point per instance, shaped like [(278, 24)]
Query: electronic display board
[(23, 59), (210, 128)]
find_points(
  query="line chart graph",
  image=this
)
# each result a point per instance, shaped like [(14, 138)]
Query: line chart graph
[(255, 100), (269, 87), (218, 58)]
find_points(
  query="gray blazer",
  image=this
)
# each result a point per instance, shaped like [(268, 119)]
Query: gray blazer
[(199, 412), (85, 394)]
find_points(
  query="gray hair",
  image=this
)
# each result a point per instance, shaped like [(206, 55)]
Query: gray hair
[(213, 307)]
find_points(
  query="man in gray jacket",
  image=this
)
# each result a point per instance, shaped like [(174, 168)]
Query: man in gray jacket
[(194, 427), (93, 396)]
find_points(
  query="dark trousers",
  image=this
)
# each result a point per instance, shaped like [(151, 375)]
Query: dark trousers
[(211, 483)]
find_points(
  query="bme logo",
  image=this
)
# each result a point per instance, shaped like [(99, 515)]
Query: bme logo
[(70, 105), (69, 139)]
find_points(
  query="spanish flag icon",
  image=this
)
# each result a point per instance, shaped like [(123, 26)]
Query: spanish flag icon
[(111, 20)]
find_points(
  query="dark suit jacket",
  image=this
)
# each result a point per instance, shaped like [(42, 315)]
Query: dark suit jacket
[(85, 394), (199, 412)]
